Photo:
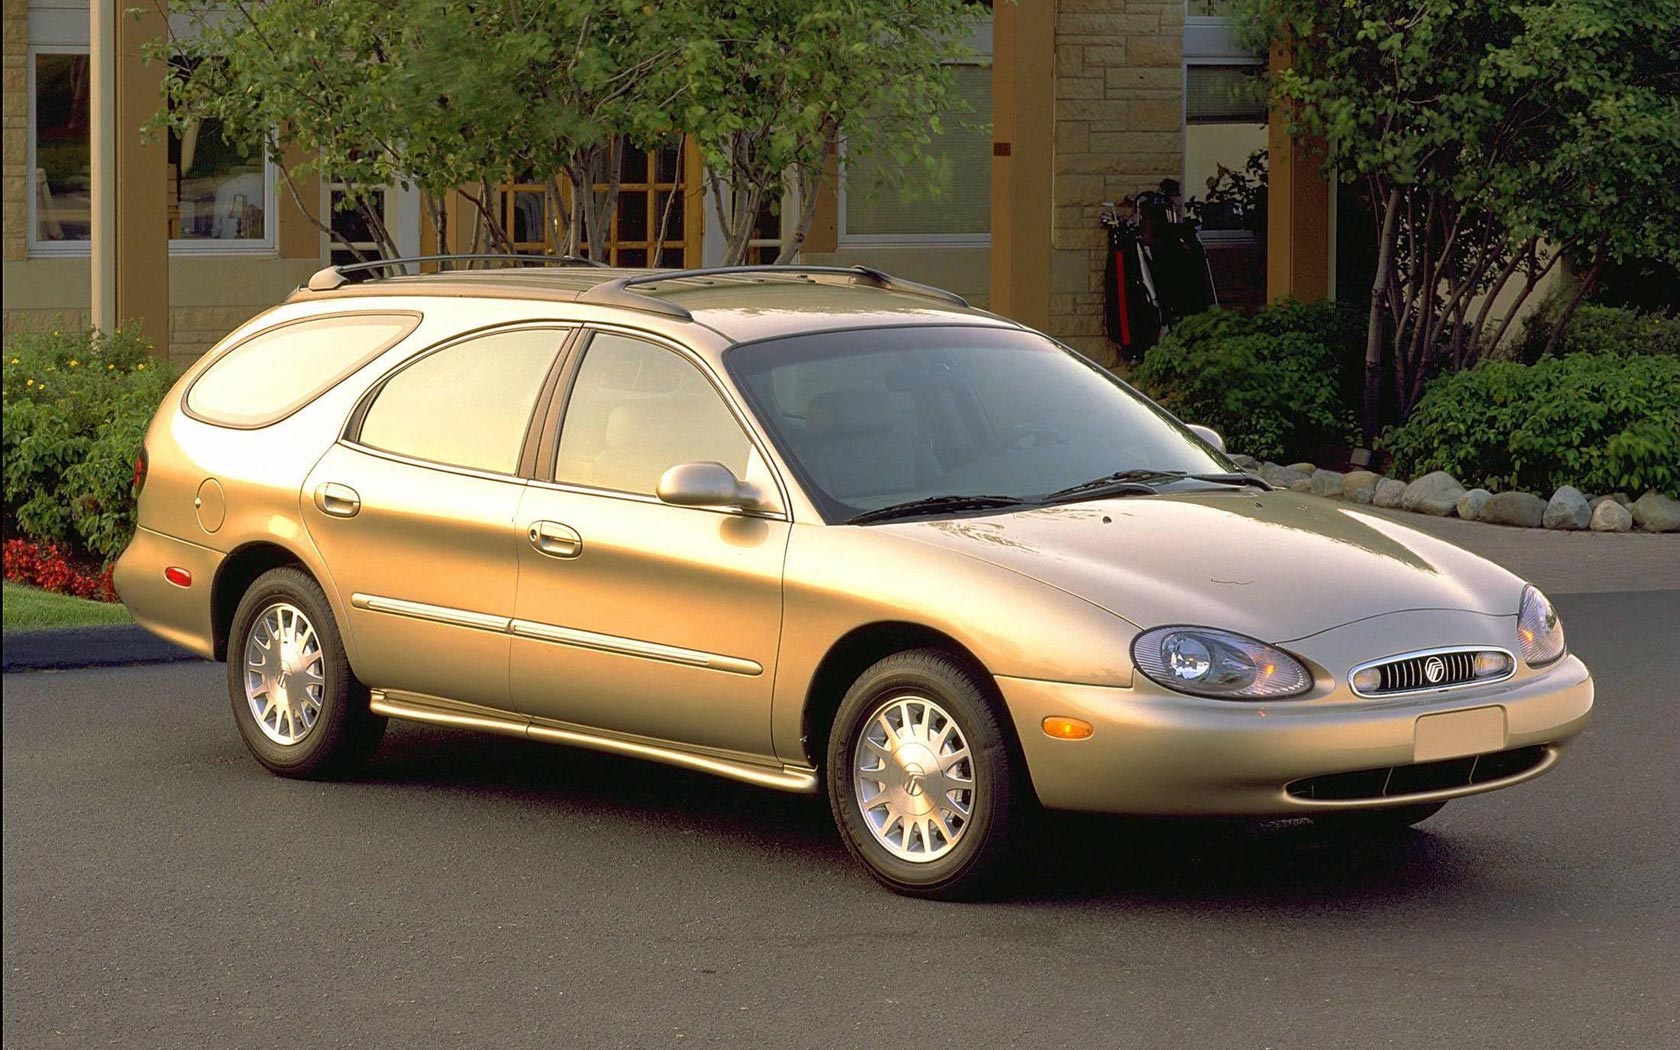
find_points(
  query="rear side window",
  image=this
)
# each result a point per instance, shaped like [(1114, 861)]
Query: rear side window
[(274, 373), (466, 405)]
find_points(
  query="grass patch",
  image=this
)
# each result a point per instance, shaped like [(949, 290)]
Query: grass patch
[(27, 608)]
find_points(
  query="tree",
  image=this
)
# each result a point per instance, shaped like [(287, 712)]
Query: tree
[(1495, 141), (783, 80), (445, 96)]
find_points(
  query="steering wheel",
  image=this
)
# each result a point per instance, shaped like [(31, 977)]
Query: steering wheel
[(1030, 435)]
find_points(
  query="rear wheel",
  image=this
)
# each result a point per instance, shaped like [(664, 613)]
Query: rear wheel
[(924, 787), (297, 704), (1378, 821)]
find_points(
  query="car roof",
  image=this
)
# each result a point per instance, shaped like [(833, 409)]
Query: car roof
[(742, 304)]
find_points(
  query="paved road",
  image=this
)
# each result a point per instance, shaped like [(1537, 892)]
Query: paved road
[(162, 891)]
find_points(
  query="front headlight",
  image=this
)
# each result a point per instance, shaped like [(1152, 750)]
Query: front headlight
[(1203, 661), (1538, 628)]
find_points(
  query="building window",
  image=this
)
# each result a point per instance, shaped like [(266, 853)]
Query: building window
[(60, 194), (1225, 145), (350, 222), (871, 213), (220, 191)]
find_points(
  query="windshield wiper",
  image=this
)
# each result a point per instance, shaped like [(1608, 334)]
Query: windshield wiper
[(1138, 480), (933, 505), (1235, 477)]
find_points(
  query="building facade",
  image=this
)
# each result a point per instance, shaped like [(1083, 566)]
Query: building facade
[(1072, 103)]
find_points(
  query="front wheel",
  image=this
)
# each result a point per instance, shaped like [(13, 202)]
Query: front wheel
[(297, 704), (925, 789)]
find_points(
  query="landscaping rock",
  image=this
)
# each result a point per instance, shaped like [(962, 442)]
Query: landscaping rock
[(1359, 486), (1620, 498), (1388, 493), (1301, 484), (1304, 467), (1610, 516), (1435, 493), (1327, 483), (1655, 512), (1248, 463), (1567, 510), (1470, 504), (1522, 509), (1272, 474)]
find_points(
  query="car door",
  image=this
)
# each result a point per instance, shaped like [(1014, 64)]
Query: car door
[(415, 513), (634, 616)]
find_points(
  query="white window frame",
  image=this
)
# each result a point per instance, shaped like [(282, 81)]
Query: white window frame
[(980, 40), (35, 246)]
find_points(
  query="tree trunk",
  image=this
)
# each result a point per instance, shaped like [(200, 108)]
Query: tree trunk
[(1374, 324), (1582, 287)]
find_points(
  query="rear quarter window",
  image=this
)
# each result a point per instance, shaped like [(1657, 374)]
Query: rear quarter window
[(266, 377)]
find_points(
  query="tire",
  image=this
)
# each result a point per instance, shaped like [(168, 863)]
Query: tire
[(318, 702), (1378, 821), (917, 692)]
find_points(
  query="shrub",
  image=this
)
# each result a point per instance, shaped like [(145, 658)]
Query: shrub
[(1600, 422), (1276, 384), (77, 404), (1598, 329), (48, 568)]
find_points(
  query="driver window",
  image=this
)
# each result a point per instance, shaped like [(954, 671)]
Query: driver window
[(636, 410)]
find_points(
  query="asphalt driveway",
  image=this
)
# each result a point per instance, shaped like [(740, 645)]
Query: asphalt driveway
[(161, 890)]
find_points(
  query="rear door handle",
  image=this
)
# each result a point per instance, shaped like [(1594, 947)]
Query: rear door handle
[(555, 540), (340, 501)]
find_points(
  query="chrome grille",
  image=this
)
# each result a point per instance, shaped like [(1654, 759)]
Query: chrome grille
[(1430, 670)]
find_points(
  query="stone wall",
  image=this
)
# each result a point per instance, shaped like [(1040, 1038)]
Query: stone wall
[(14, 177), (1119, 129)]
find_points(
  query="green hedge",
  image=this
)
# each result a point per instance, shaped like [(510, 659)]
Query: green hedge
[(1275, 385), (1600, 422), (1601, 330), (77, 404)]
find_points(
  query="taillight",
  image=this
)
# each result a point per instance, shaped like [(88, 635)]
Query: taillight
[(139, 473)]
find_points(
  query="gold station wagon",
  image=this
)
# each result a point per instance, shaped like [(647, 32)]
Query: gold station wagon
[(816, 529)]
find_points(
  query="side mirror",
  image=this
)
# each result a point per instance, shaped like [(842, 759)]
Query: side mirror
[(707, 485), (1208, 434)]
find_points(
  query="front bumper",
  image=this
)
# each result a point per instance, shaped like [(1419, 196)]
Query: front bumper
[(1155, 752), (176, 614)]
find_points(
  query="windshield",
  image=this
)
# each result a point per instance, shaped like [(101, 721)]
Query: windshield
[(870, 418)]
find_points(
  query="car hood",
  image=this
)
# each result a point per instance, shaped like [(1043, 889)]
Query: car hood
[(1273, 565)]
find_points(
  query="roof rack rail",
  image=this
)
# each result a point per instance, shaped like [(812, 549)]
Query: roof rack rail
[(328, 278), (621, 291)]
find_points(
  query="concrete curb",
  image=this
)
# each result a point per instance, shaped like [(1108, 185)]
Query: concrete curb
[(62, 648)]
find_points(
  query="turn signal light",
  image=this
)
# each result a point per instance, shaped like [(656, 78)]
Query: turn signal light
[(1067, 728), (178, 576)]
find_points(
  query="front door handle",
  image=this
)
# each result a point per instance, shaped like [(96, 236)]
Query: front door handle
[(340, 501), (555, 540)]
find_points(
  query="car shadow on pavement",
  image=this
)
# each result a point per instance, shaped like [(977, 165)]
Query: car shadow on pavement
[(1068, 858), (1209, 862)]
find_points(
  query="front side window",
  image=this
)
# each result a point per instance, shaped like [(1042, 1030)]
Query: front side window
[(60, 185), (467, 405), (878, 417), (636, 410), (272, 374)]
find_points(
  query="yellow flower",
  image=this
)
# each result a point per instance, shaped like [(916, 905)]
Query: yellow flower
[(141, 367), (109, 367), (14, 360), (75, 363)]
